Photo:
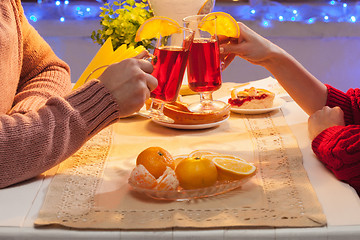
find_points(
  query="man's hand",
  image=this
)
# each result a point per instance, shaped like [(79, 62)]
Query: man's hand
[(130, 83)]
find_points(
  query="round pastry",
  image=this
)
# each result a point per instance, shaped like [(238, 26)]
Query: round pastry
[(182, 115), (252, 98)]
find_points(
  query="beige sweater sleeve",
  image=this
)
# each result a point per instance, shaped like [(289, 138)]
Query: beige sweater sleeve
[(43, 74), (47, 123), (34, 142)]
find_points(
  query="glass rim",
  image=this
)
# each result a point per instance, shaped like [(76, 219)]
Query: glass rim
[(198, 17)]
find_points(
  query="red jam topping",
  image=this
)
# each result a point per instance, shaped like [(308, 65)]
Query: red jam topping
[(240, 101)]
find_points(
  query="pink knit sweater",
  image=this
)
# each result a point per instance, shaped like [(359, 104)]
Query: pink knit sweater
[(41, 122), (338, 147)]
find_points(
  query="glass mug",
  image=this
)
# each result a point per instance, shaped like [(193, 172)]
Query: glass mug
[(169, 60), (204, 65)]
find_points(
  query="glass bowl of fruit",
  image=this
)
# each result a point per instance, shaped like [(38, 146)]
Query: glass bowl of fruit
[(199, 174)]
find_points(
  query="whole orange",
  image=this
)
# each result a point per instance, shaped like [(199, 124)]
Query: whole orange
[(155, 160), (196, 172)]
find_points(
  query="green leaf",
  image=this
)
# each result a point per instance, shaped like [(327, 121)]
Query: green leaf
[(120, 20)]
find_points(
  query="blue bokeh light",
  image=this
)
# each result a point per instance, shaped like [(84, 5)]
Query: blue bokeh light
[(33, 18), (264, 12)]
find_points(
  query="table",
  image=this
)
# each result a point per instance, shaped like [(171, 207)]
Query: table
[(20, 204)]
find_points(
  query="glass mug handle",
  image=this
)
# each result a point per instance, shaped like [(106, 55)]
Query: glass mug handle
[(92, 72), (148, 58)]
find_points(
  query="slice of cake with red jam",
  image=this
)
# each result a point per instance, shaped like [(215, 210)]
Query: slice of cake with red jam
[(251, 98)]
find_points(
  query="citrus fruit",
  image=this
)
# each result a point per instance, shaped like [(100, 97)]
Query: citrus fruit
[(195, 172), (226, 25), (211, 155), (179, 158), (141, 177), (207, 7), (233, 169), (224, 156), (156, 26), (199, 153), (168, 181), (155, 160)]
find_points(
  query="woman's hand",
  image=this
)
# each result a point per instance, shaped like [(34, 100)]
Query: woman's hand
[(323, 119), (130, 82), (249, 46)]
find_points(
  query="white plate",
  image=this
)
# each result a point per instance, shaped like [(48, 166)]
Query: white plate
[(278, 103), (195, 126)]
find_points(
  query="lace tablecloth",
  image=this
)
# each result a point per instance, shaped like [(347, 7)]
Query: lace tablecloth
[(90, 189)]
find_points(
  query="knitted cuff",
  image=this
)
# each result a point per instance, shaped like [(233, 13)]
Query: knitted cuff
[(338, 98), (323, 138), (95, 104)]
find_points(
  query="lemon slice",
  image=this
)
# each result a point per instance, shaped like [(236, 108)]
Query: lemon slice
[(226, 25), (233, 169), (156, 26)]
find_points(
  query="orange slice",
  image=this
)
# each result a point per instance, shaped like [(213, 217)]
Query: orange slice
[(233, 169), (226, 25), (199, 153), (224, 156), (156, 26), (207, 7), (211, 155)]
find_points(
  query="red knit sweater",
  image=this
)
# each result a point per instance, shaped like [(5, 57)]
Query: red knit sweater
[(41, 122), (338, 147)]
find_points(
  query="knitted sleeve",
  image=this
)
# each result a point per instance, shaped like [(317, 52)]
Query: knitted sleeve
[(43, 74), (33, 142), (338, 147)]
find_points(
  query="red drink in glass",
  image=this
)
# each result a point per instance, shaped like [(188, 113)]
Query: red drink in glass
[(169, 67), (204, 73)]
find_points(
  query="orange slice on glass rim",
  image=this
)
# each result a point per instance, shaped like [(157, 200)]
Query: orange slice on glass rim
[(207, 7), (226, 25), (233, 169), (156, 26)]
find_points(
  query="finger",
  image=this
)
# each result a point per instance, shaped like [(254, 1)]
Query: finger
[(230, 48), (147, 94), (227, 60), (151, 83), (146, 66), (338, 109), (142, 55), (325, 108)]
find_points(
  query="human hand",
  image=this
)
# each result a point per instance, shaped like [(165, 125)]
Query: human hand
[(130, 83), (249, 46), (323, 119)]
